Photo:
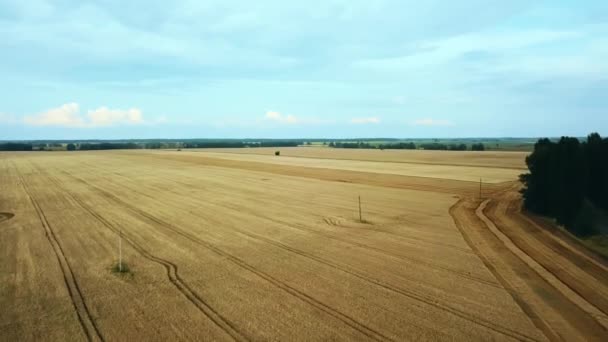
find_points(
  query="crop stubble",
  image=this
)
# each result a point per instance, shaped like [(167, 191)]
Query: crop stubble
[(248, 249)]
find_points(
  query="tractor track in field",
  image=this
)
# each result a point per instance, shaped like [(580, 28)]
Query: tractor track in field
[(543, 294), (566, 240), (527, 309), (421, 298), (83, 314), (170, 267), (333, 237), (326, 220), (349, 321), (548, 265), (546, 260)]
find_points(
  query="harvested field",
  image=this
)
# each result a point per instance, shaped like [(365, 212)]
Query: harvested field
[(236, 246), (504, 160)]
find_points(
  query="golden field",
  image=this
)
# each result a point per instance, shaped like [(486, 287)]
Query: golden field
[(243, 245)]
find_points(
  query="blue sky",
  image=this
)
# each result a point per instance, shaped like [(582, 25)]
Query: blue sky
[(346, 68)]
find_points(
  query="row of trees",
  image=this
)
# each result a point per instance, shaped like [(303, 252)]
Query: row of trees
[(85, 146), (238, 144), (567, 178), (408, 146), (108, 146), (88, 146), (16, 147)]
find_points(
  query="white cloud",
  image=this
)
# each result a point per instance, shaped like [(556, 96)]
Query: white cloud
[(370, 120), (431, 122), (103, 116), (68, 115), (278, 117)]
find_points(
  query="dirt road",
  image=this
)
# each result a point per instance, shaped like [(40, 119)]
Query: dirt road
[(554, 280)]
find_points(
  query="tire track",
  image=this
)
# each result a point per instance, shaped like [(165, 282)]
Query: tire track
[(590, 267), (325, 219), (409, 294), (85, 318), (303, 228), (554, 274), (527, 309), (548, 303), (351, 322), (170, 268), (565, 240)]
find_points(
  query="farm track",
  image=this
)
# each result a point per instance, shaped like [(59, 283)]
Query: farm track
[(566, 240), (349, 321), (305, 229), (553, 306), (85, 318), (575, 272), (428, 300), (170, 267)]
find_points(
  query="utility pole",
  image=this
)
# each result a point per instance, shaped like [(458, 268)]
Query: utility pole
[(480, 189), (120, 252), (360, 217)]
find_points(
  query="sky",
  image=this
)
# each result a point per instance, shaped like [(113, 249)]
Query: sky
[(115, 69)]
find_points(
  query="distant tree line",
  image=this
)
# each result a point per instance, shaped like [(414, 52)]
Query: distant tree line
[(108, 146), (241, 144), (568, 180), (225, 143), (129, 145), (407, 146), (16, 146), (398, 146)]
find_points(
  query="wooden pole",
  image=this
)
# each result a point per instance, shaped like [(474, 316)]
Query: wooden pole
[(120, 252), (480, 189), (360, 217)]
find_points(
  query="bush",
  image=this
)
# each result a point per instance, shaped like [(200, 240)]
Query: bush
[(277, 153), (117, 269)]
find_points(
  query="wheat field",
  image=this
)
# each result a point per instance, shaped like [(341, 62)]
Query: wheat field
[(245, 245)]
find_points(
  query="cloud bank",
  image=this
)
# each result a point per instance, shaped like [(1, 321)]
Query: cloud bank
[(281, 118), (68, 115)]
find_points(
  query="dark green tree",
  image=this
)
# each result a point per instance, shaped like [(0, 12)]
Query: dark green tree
[(478, 147)]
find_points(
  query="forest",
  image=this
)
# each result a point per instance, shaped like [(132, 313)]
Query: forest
[(568, 181)]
